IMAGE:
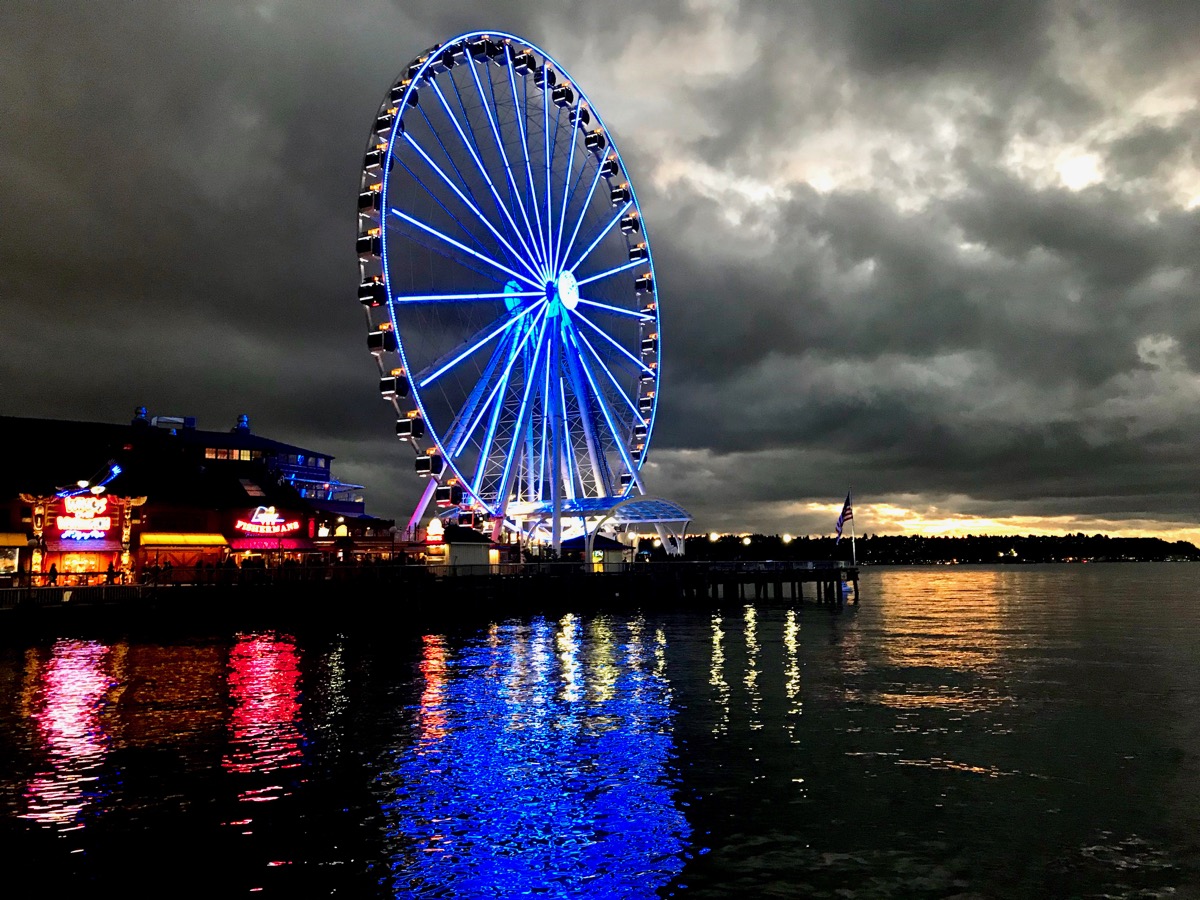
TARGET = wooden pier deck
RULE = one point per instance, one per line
(387, 594)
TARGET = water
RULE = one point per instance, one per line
(964, 732)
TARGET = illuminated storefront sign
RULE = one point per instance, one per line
(435, 532)
(84, 518)
(265, 520)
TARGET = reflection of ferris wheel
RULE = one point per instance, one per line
(509, 287)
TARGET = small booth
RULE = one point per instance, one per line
(458, 550)
(607, 554)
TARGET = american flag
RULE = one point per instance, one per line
(847, 515)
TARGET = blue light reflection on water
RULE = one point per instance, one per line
(540, 762)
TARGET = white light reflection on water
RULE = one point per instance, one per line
(66, 698)
(548, 772)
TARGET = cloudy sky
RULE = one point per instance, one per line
(945, 254)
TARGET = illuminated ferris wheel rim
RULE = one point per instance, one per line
(404, 104)
(541, 280)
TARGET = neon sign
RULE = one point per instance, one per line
(265, 520)
(435, 532)
(84, 519)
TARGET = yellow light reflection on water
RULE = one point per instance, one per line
(952, 621)
(716, 674)
(791, 670)
(750, 620)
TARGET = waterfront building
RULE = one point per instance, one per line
(87, 502)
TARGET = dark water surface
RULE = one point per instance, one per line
(964, 732)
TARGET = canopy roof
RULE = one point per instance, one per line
(623, 510)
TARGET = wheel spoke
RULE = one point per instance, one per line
(607, 371)
(583, 211)
(509, 322)
(589, 427)
(519, 424)
(479, 164)
(498, 393)
(520, 115)
(457, 436)
(604, 411)
(604, 334)
(499, 143)
(463, 298)
(436, 199)
(452, 242)
(562, 216)
(475, 209)
(549, 158)
(629, 265)
(616, 310)
(569, 457)
(603, 231)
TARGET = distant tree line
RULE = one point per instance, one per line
(927, 550)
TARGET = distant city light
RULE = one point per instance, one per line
(746, 541)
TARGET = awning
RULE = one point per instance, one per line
(55, 545)
(170, 539)
(13, 539)
(271, 543)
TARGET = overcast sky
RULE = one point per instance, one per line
(944, 253)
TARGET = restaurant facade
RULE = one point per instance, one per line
(159, 498)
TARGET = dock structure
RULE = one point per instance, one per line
(387, 593)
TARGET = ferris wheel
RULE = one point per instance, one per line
(509, 288)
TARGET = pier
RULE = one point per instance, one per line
(387, 594)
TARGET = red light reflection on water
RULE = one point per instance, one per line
(66, 700)
(264, 688)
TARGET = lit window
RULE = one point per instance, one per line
(245, 454)
(251, 488)
(210, 453)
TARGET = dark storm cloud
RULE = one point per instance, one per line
(944, 251)
(880, 37)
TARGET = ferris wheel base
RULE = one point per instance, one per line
(592, 515)
(587, 517)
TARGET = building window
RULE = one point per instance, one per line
(251, 488)
(245, 455)
(210, 452)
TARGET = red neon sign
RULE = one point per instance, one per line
(265, 520)
(84, 519)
